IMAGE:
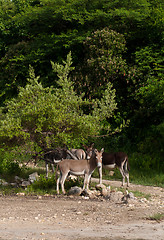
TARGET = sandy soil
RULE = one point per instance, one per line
(79, 218)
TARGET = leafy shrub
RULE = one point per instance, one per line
(8, 166)
(48, 186)
(43, 184)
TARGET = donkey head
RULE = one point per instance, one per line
(98, 156)
(89, 150)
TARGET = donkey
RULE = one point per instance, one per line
(111, 161)
(56, 155)
(78, 153)
(78, 168)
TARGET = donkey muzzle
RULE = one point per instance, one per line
(98, 164)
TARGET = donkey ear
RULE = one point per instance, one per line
(95, 150)
(92, 145)
(102, 150)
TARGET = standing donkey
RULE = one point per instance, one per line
(56, 155)
(78, 168)
(53, 156)
(111, 161)
(78, 153)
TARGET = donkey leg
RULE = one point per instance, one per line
(123, 175)
(127, 176)
(52, 166)
(88, 181)
(100, 175)
(46, 169)
(126, 173)
(63, 178)
(57, 184)
(85, 181)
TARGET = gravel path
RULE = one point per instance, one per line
(79, 218)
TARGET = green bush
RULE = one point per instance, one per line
(9, 166)
(43, 185)
(48, 186)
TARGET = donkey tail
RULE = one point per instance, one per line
(128, 166)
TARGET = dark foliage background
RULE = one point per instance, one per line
(119, 42)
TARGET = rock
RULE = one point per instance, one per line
(33, 177)
(100, 187)
(78, 213)
(131, 195)
(90, 193)
(3, 182)
(111, 173)
(128, 196)
(76, 191)
(14, 185)
(18, 180)
(25, 183)
(20, 194)
(72, 177)
(39, 197)
(86, 192)
(86, 198)
(106, 192)
(116, 196)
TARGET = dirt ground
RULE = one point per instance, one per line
(79, 218)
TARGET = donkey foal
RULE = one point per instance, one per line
(78, 168)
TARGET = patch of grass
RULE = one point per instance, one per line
(157, 217)
(27, 171)
(9, 190)
(42, 186)
(151, 178)
(48, 186)
(141, 194)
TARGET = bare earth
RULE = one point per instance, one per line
(79, 218)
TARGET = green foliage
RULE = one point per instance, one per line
(157, 217)
(149, 154)
(48, 186)
(33, 32)
(150, 60)
(9, 190)
(141, 195)
(103, 62)
(117, 48)
(146, 153)
(151, 94)
(43, 186)
(53, 117)
(9, 166)
(148, 118)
